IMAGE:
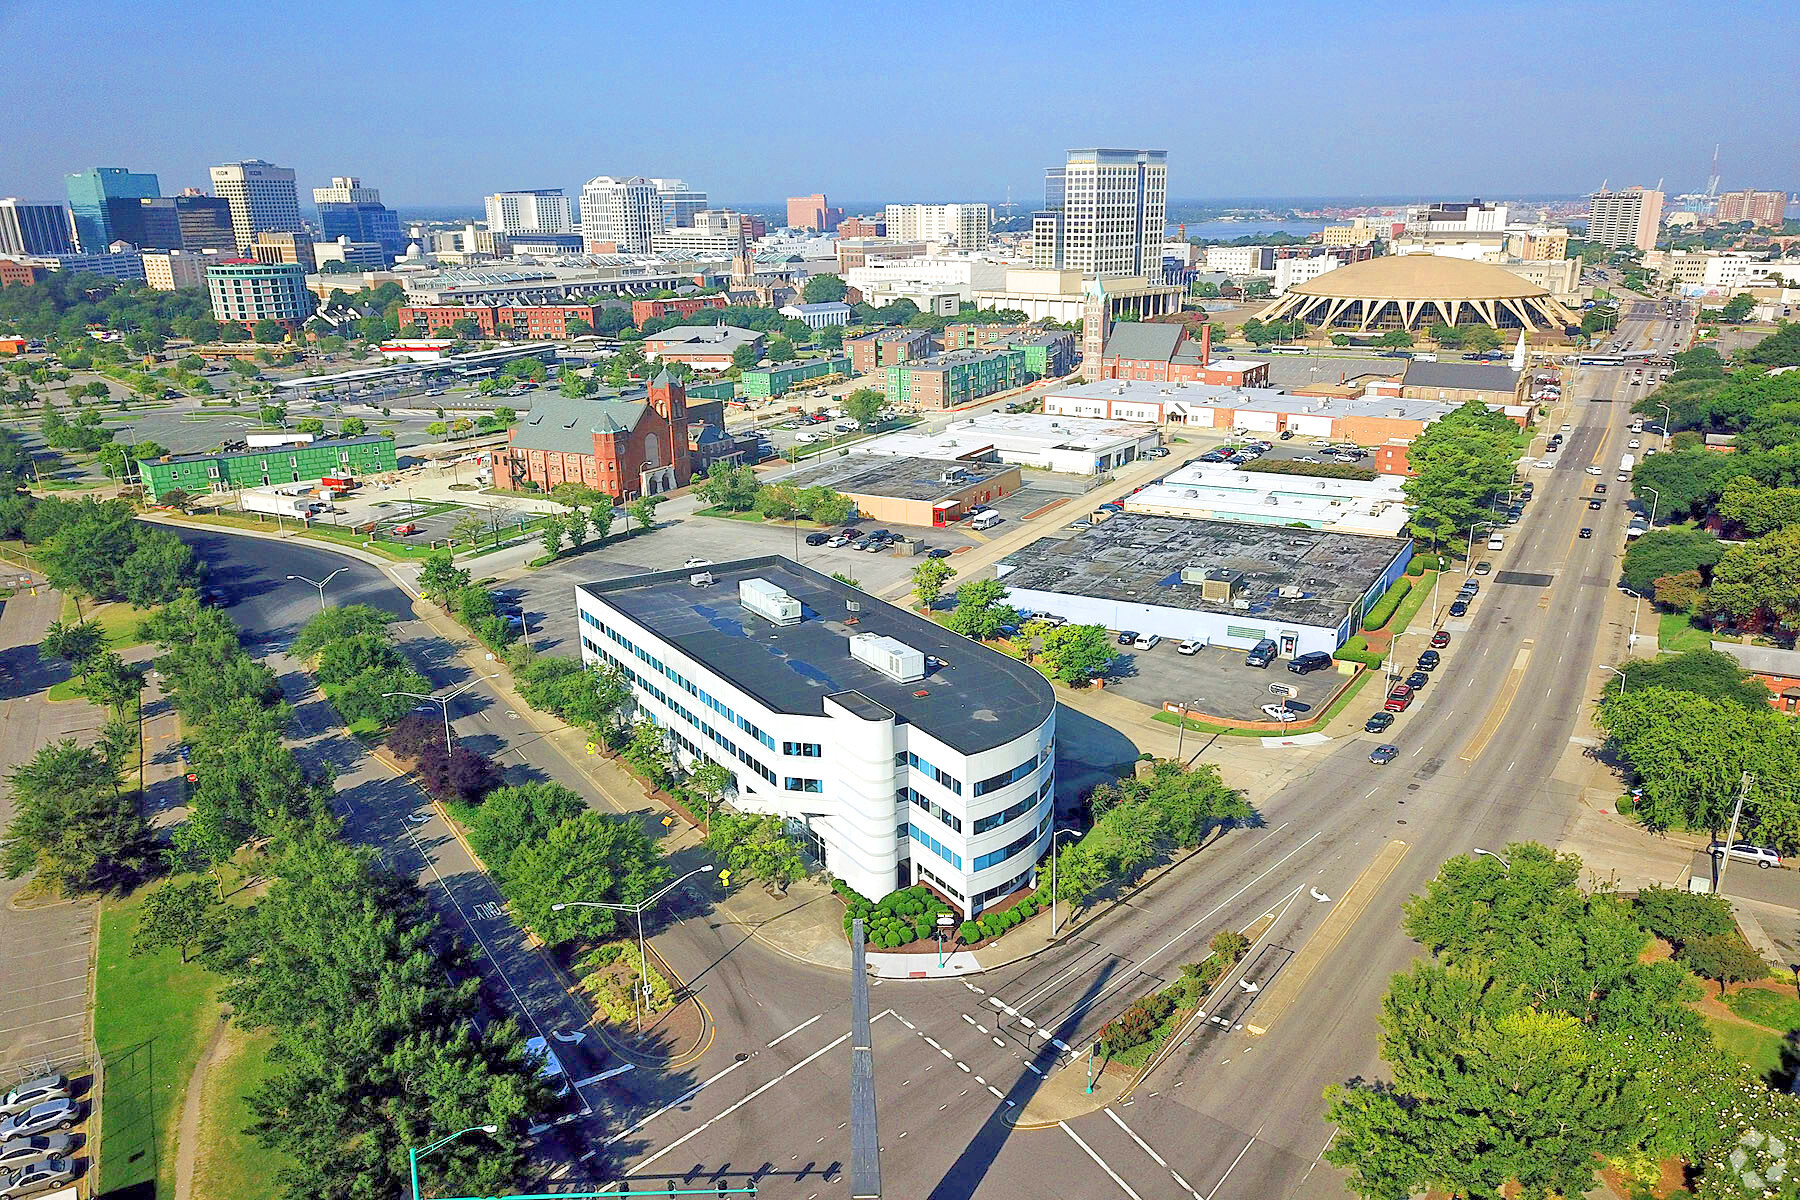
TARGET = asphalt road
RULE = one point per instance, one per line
(1228, 1115)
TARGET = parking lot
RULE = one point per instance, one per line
(1216, 681)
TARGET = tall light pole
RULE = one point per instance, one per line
(1181, 730)
(1469, 562)
(638, 909)
(1490, 854)
(1655, 496)
(414, 1154)
(1620, 674)
(320, 583)
(1053, 837)
(443, 702)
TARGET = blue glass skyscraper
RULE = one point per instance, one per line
(104, 204)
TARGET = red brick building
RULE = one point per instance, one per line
(625, 448)
(13, 271)
(678, 306)
(885, 347)
(523, 321)
(1164, 353)
(852, 227)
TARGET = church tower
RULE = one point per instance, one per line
(1096, 323)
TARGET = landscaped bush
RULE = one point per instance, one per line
(1384, 608)
(1416, 567)
(1357, 650)
(1138, 1023)
(969, 932)
(1679, 916)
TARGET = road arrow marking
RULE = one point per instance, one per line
(1321, 897)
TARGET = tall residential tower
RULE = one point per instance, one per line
(539, 210)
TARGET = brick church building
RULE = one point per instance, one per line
(626, 448)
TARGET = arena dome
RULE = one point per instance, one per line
(1412, 290)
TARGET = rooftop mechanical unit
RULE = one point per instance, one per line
(768, 602)
(892, 657)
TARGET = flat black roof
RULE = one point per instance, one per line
(978, 699)
(1308, 576)
(896, 477)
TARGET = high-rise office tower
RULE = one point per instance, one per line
(1112, 216)
(261, 196)
(540, 210)
(190, 221)
(813, 212)
(348, 209)
(1627, 217)
(620, 216)
(679, 201)
(34, 228)
(103, 202)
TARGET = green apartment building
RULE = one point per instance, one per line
(724, 389)
(266, 466)
(766, 383)
(955, 378)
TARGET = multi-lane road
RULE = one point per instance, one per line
(959, 1062)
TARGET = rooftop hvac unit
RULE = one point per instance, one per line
(1290, 593)
(1243, 604)
(892, 657)
(768, 602)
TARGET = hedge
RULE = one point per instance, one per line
(1357, 650)
(1384, 607)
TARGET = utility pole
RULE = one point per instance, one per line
(1724, 859)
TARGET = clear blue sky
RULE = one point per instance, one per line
(438, 103)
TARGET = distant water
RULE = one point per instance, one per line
(1227, 230)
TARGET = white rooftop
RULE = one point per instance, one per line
(1017, 432)
(1214, 395)
(1222, 492)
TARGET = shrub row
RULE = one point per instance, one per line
(1357, 650)
(1383, 611)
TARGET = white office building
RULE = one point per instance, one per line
(166, 270)
(962, 225)
(620, 216)
(719, 232)
(1219, 491)
(680, 203)
(262, 199)
(961, 275)
(1291, 271)
(541, 210)
(1069, 445)
(902, 752)
(1105, 213)
(1241, 260)
(818, 316)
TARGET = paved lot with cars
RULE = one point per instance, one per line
(1215, 680)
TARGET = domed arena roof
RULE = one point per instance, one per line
(1420, 277)
(1407, 291)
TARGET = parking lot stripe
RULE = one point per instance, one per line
(79, 1016)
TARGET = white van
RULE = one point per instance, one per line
(986, 518)
(1496, 542)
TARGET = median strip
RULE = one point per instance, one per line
(1350, 907)
(1502, 703)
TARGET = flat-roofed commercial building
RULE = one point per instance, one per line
(266, 466)
(1069, 445)
(929, 492)
(905, 754)
(1218, 491)
(955, 378)
(1225, 583)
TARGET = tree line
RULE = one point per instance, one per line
(1736, 560)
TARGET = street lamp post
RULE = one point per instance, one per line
(1490, 854)
(443, 702)
(1620, 674)
(1667, 417)
(1053, 837)
(1181, 730)
(320, 583)
(638, 910)
(414, 1154)
(1469, 562)
(1655, 497)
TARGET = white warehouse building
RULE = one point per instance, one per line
(1221, 583)
(905, 753)
(1070, 445)
(1223, 492)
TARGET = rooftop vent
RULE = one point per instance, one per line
(769, 602)
(1217, 584)
(892, 657)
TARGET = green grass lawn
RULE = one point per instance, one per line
(152, 1016)
(1777, 1010)
(1759, 1049)
(119, 622)
(1413, 601)
(63, 691)
(1675, 633)
(231, 1165)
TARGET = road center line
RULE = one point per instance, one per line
(678, 1101)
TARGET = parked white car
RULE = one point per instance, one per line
(1762, 856)
(1278, 712)
(1191, 646)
